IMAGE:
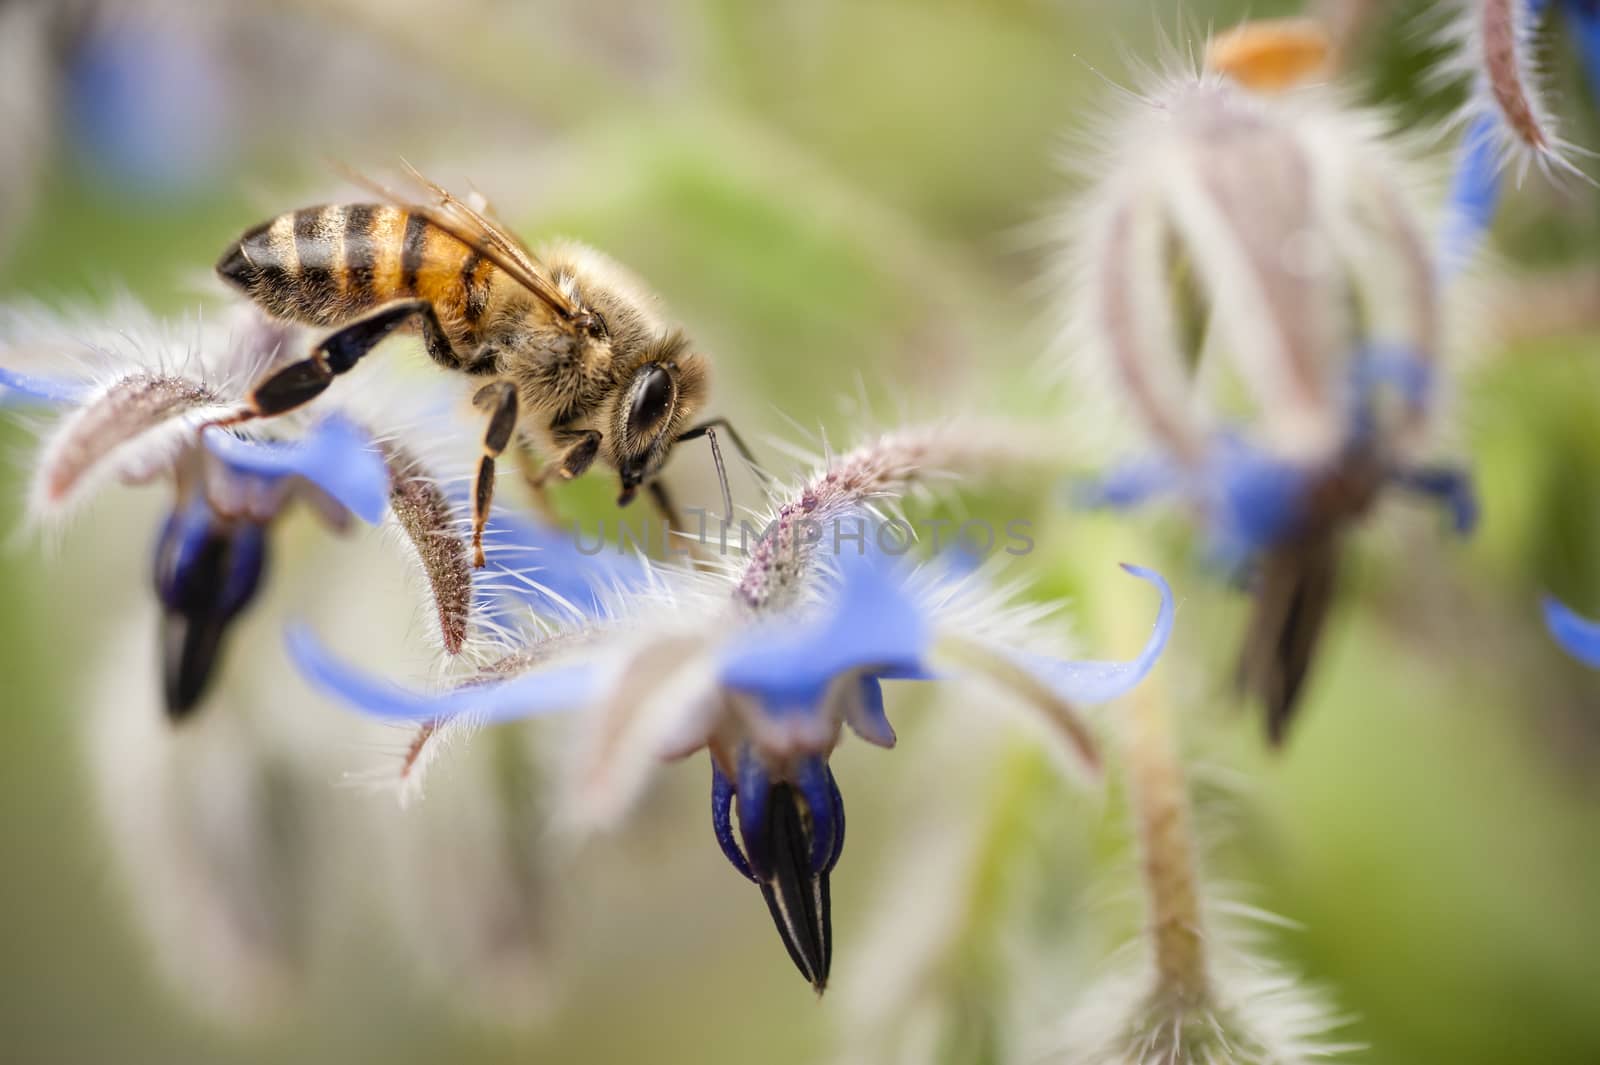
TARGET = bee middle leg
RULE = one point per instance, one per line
(499, 398)
(583, 448)
(694, 539)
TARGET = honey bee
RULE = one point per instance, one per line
(574, 359)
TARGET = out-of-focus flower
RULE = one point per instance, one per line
(243, 862)
(764, 667)
(149, 99)
(1251, 274)
(27, 108)
(212, 550)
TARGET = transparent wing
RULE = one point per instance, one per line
(478, 231)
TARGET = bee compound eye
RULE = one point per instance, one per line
(652, 394)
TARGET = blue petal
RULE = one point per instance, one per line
(1251, 500)
(873, 624)
(547, 570)
(528, 695)
(1393, 365)
(869, 720)
(838, 835)
(816, 784)
(722, 821)
(205, 567)
(336, 456)
(1256, 500)
(753, 791)
(1452, 487)
(1474, 194)
(21, 386)
(1087, 683)
(1129, 484)
(1576, 634)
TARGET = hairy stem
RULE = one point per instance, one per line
(1167, 862)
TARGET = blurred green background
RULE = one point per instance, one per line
(837, 199)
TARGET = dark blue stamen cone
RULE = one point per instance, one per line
(206, 572)
(792, 835)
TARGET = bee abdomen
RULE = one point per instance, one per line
(325, 265)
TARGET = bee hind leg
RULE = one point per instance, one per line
(299, 383)
(499, 398)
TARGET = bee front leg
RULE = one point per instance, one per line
(581, 455)
(499, 398)
(677, 533)
(534, 474)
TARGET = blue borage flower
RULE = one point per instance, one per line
(213, 551)
(768, 696)
(1577, 635)
(1280, 520)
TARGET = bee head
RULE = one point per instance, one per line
(664, 391)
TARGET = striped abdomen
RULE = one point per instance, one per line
(328, 265)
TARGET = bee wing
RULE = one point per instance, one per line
(480, 232)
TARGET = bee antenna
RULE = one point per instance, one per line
(722, 475)
(708, 430)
